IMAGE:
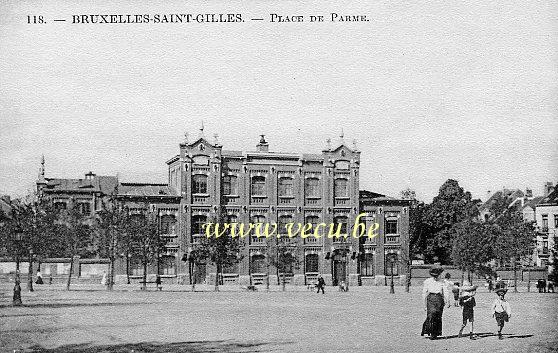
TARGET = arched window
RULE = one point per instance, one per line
(286, 263)
(285, 187)
(258, 186)
(199, 184)
(312, 263)
(312, 187)
(341, 188)
(257, 264)
(197, 224)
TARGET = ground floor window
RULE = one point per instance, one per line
(312, 263)
(367, 265)
(392, 265)
(257, 264)
(168, 265)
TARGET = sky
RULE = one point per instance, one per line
(430, 91)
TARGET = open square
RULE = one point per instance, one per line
(365, 319)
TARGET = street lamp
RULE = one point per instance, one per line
(391, 287)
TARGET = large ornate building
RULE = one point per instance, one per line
(208, 183)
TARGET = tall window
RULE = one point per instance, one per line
(341, 188)
(255, 220)
(258, 186)
(313, 220)
(391, 226)
(312, 263)
(367, 265)
(343, 221)
(312, 187)
(285, 187)
(168, 265)
(199, 184)
(84, 208)
(230, 185)
(392, 264)
(545, 221)
(168, 223)
(282, 224)
(257, 264)
(197, 224)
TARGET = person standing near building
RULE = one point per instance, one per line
(321, 284)
(467, 301)
(501, 310)
(39, 278)
(449, 287)
(433, 295)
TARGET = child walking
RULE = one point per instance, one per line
(467, 301)
(455, 290)
(501, 310)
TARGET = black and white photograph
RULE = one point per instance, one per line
(278, 176)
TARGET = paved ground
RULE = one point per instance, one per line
(365, 319)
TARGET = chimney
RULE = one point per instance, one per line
(528, 193)
(263, 146)
(89, 176)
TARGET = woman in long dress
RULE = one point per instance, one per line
(434, 295)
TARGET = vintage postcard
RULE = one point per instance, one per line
(278, 176)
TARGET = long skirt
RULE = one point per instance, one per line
(434, 309)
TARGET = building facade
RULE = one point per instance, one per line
(207, 183)
(546, 214)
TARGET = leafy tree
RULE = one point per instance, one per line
(146, 244)
(515, 239)
(220, 249)
(473, 245)
(76, 235)
(452, 205)
(281, 256)
(112, 228)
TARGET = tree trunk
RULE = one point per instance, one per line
(408, 281)
(194, 277)
(70, 275)
(514, 277)
(111, 274)
(17, 269)
(217, 270)
(127, 268)
(283, 284)
(30, 275)
(144, 284)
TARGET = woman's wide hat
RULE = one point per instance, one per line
(436, 271)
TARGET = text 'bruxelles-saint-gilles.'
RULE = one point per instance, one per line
(157, 18)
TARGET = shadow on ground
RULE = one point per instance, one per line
(152, 347)
(485, 335)
(68, 305)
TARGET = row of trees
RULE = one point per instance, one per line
(450, 231)
(36, 230)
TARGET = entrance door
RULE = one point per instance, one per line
(339, 269)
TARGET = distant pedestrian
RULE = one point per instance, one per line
(17, 293)
(433, 295)
(158, 282)
(39, 278)
(455, 291)
(104, 279)
(550, 286)
(321, 284)
(540, 285)
(501, 310)
(490, 284)
(467, 301)
(50, 279)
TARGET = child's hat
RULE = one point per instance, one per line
(467, 287)
(501, 290)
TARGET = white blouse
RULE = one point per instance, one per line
(435, 287)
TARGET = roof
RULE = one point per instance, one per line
(533, 202)
(146, 190)
(374, 198)
(510, 195)
(550, 200)
(98, 183)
